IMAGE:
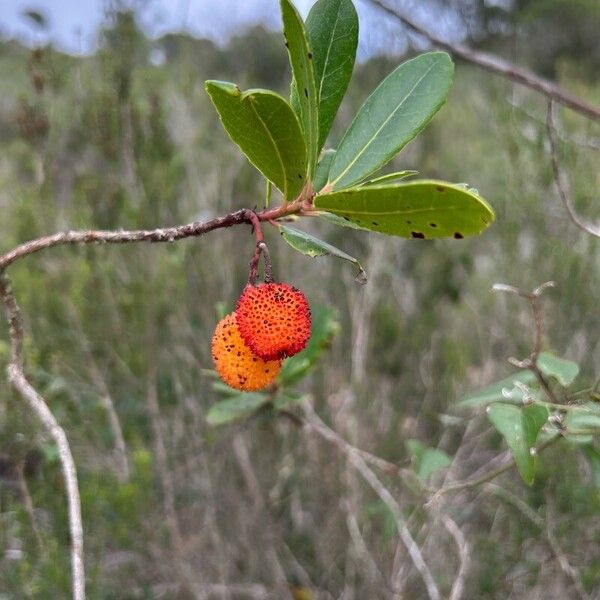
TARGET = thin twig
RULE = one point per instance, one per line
(36, 403)
(497, 65)
(164, 472)
(358, 462)
(28, 503)
(106, 402)
(385, 466)
(471, 483)
(531, 362)
(560, 177)
(563, 561)
(458, 587)
(539, 522)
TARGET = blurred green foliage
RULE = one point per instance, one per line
(122, 140)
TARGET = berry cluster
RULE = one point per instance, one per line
(270, 323)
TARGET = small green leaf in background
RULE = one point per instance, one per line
(50, 452)
(564, 371)
(398, 109)
(507, 420)
(224, 390)
(519, 428)
(581, 427)
(332, 28)
(301, 61)
(504, 390)
(379, 509)
(311, 246)
(417, 209)
(391, 177)
(534, 417)
(237, 407)
(267, 131)
(324, 328)
(322, 171)
(426, 461)
(287, 400)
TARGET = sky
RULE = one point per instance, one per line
(72, 24)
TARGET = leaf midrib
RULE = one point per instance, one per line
(382, 126)
(337, 18)
(279, 157)
(341, 209)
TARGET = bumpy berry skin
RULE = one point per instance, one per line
(236, 364)
(274, 319)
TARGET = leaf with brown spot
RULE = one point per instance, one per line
(415, 209)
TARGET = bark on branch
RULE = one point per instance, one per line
(158, 235)
(497, 65)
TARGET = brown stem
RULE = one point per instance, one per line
(159, 235)
(261, 249)
(560, 177)
(268, 265)
(531, 362)
(499, 66)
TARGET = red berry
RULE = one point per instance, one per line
(274, 319)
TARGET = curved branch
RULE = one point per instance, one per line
(159, 235)
(497, 65)
(36, 403)
(560, 177)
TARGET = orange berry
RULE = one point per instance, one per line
(274, 319)
(236, 364)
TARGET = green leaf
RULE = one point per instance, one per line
(417, 209)
(586, 423)
(391, 177)
(224, 390)
(520, 428)
(238, 407)
(323, 167)
(398, 109)
(267, 131)
(312, 246)
(427, 461)
(504, 390)
(301, 61)
(507, 420)
(564, 371)
(534, 417)
(339, 221)
(332, 27)
(324, 328)
(287, 400)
